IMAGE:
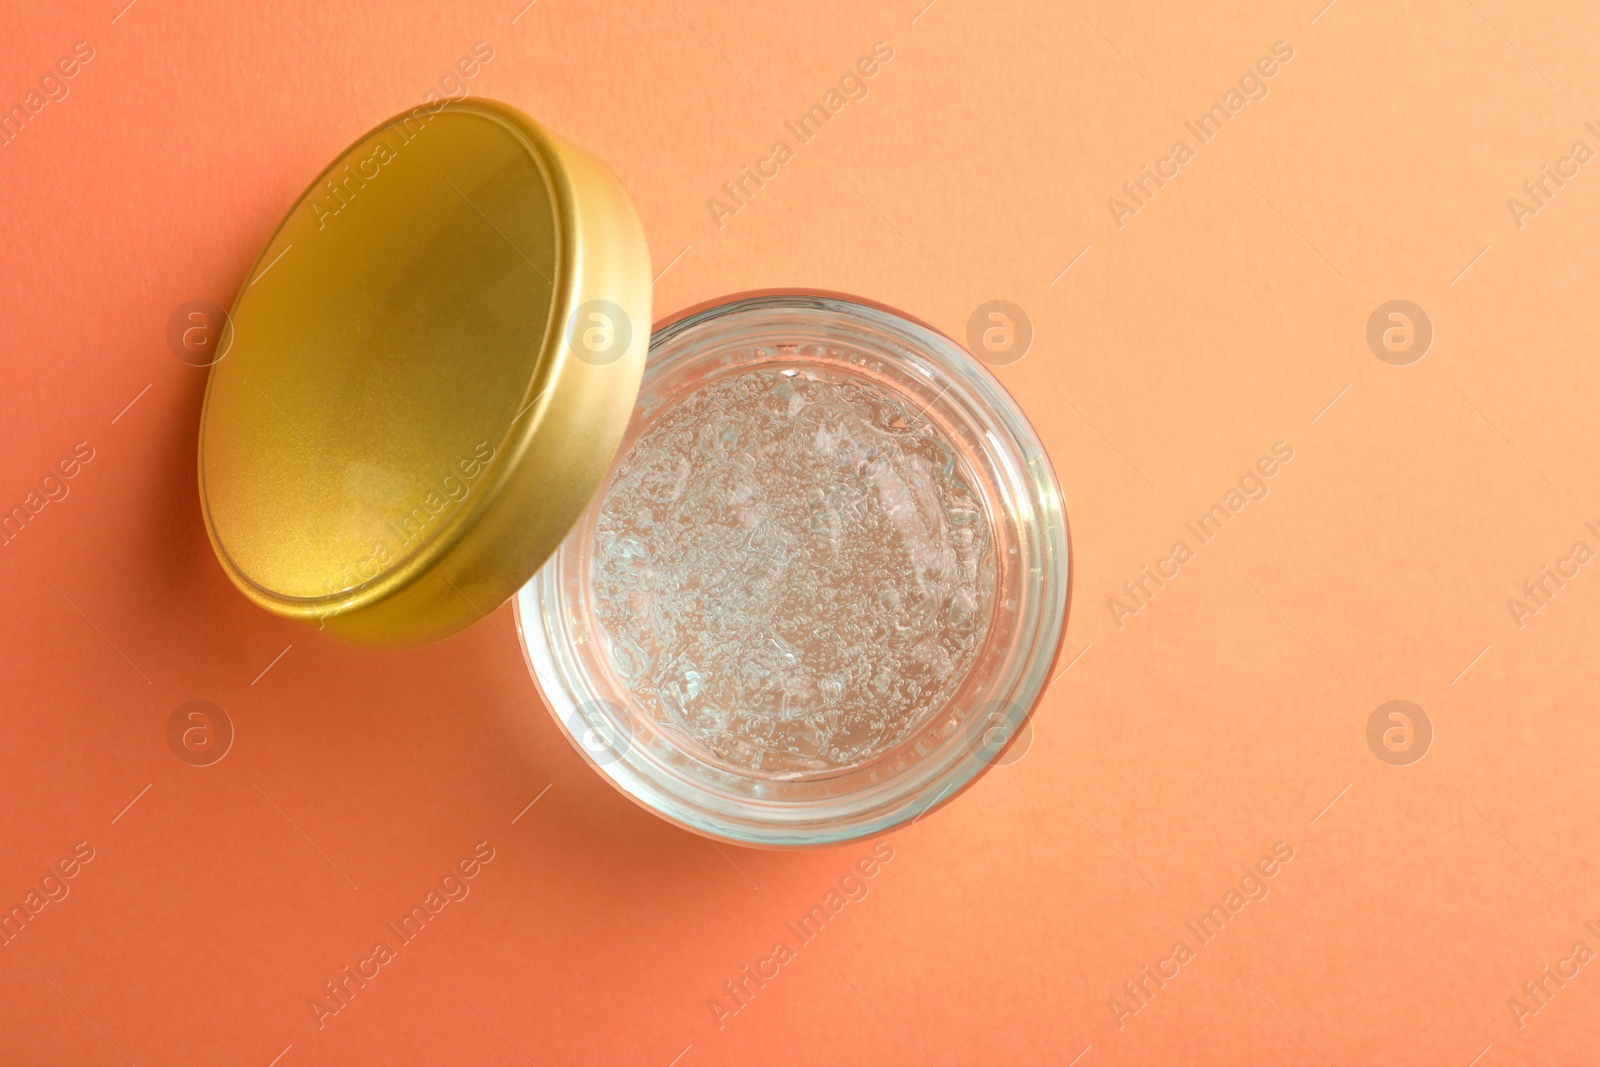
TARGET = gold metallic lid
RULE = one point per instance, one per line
(431, 367)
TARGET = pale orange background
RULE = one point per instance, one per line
(1223, 717)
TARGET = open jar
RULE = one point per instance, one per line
(789, 570)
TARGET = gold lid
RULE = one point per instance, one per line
(431, 367)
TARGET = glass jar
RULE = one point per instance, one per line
(692, 715)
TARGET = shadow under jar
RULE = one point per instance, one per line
(822, 586)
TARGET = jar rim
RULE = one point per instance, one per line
(954, 744)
